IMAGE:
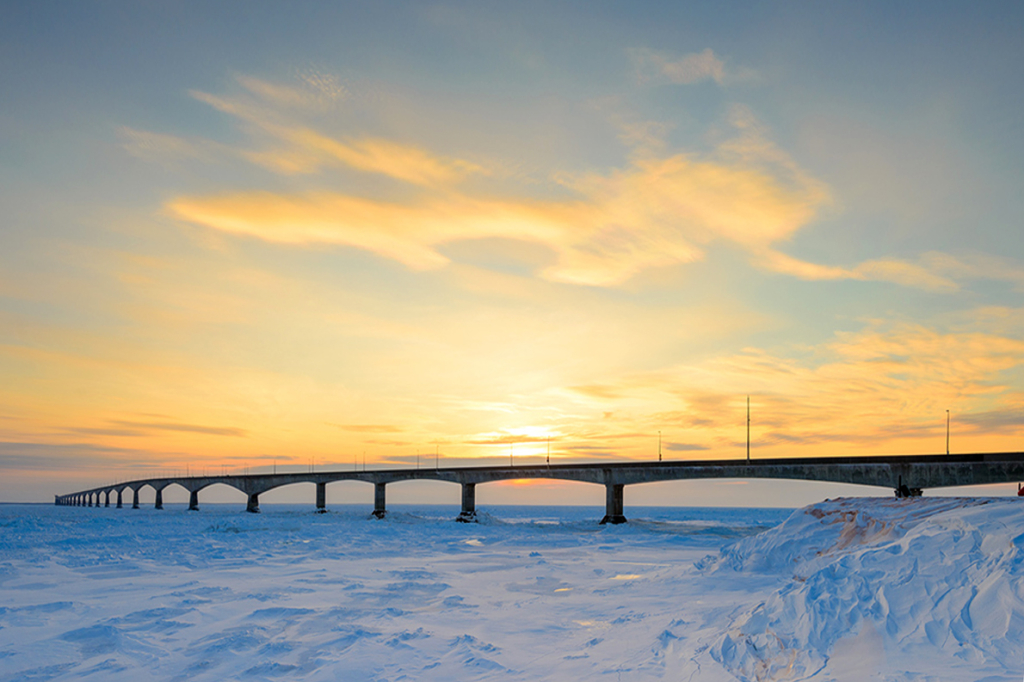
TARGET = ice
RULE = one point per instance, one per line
(921, 589)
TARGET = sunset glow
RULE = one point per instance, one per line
(420, 233)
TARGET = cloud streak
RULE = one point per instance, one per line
(184, 428)
(688, 69)
(656, 211)
(886, 383)
(659, 209)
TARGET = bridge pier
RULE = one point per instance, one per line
(379, 510)
(613, 504)
(193, 500)
(106, 498)
(120, 503)
(159, 499)
(135, 498)
(321, 498)
(468, 513)
(253, 505)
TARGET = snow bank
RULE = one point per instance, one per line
(927, 589)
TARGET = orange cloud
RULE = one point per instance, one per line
(657, 211)
(883, 384)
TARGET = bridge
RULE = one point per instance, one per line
(907, 475)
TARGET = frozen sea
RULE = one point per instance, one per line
(853, 589)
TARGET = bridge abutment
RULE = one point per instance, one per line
(468, 513)
(613, 504)
(379, 498)
(321, 498)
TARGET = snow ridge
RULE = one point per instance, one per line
(883, 589)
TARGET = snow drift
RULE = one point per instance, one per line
(883, 589)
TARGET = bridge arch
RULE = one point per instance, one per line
(418, 490)
(745, 492)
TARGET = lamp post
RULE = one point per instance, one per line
(947, 432)
(659, 446)
(748, 429)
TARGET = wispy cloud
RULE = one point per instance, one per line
(183, 428)
(885, 383)
(288, 146)
(932, 271)
(658, 210)
(317, 90)
(687, 69)
(163, 148)
(685, 447)
(369, 428)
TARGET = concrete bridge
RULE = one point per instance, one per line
(906, 474)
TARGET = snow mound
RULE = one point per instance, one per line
(884, 589)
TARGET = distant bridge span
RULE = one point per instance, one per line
(906, 474)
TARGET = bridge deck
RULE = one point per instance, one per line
(899, 472)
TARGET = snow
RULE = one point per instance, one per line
(929, 589)
(856, 589)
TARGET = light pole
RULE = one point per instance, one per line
(659, 446)
(748, 429)
(947, 432)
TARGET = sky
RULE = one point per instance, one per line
(238, 236)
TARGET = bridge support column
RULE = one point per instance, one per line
(468, 513)
(253, 505)
(379, 510)
(135, 498)
(613, 504)
(90, 499)
(159, 499)
(321, 498)
(106, 499)
(193, 500)
(120, 502)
